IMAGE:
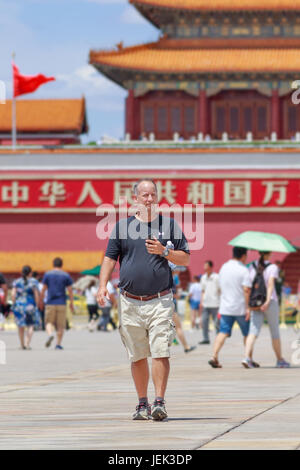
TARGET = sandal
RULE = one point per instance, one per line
(215, 364)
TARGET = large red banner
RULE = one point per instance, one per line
(84, 193)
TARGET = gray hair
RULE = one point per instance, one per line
(136, 185)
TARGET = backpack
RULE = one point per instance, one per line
(258, 294)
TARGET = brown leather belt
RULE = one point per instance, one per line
(146, 297)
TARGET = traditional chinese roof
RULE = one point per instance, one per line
(160, 59)
(223, 5)
(68, 115)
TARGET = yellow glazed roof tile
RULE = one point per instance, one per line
(149, 57)
(209, 5)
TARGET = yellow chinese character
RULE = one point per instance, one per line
(273, 187)
(15, 193)
(202, 193)
(88, 191)
(166, 191)
(237, 193)
(123, 190)
(53, 192)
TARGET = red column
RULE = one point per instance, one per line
(275, 112)
(129, 126)
(202, 112)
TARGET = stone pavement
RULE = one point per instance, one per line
(83, 397)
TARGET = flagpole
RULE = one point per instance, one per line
(14, 114)
(14, 124)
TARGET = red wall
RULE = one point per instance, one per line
(220, 228)
(67, 232)
(49, 232)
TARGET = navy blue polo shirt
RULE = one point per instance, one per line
(57, 281)
(142, 273)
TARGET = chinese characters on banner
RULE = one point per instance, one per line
(87, 193)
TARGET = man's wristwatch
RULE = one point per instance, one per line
(165, 252)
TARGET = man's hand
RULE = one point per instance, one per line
(72, 307)
(102, 295)
(154, 247)
(41, 305)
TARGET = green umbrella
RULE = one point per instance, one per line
(262, 241)
(92, 272)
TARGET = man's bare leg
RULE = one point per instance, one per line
(50, 330)
(179, 331)
(160, 375)
(218, 344)
(140, 374)
(59, 334)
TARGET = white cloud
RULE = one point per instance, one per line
(9, 87)
(101, 93)
(88, 79)
(74, 77)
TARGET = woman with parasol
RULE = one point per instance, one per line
(269, 310)
(263, 297)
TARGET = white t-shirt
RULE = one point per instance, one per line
(211, 287)
(195, 291)
(270, 271)
(46, 292)
(90, 295)
(233, 277)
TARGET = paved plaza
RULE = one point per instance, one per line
(83, 397)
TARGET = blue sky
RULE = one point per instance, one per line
(54, 37)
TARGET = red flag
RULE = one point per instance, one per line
(27, 84)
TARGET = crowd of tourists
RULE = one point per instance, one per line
(214, 298)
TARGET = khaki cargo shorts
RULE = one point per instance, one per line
(56, 315)
(146, 327)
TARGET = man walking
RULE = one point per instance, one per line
(146, 303)
(210, 299)
(56, 282)
(235, 286)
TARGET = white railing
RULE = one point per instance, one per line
(199, 141)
